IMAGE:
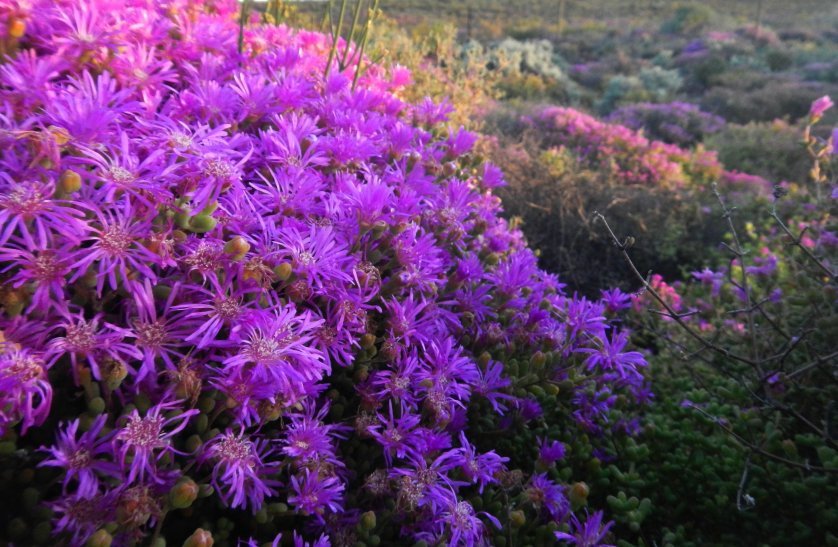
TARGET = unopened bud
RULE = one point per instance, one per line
(199, 538)
(96, 406)
(237, 247)
(69, 182)
(368, 520)
(367, 341)
(113, 373)
(449, 169)
(100, 539)
(283, 271)
(17, 28)
(579, 493)
(517, 518)
(538, 359)
(184, 493)
(202, 223)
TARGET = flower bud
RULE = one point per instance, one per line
(202, 223)
(17, 28)
(70, 182)
(449, 169)
(538, 359)
(96, 406)
(199, 538)
(100, 539)
(517, 518)
(368, 520)
(578, 494)
(113, 373)
(237, 247)
(283, 271)
(183, 493)
(367, 341)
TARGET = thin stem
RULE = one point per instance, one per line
(342, 65)
(796, 241)
(675, 315)
(335, 35)
(370, 16)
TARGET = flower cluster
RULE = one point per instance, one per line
(678, 123)
(626, 153)
(245, 271)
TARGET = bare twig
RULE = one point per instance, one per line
(674, 314)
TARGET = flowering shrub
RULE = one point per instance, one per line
(747, 355)
(560, 174)
(678, 123)
(241, 299)
(627, 154)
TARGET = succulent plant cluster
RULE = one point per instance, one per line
(246, 300)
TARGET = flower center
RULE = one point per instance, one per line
(143, 432)
(115, 240)
(81, 338)
(151, 335)
(121, 175)
(226, 308)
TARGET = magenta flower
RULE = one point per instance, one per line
(86, 341)
(116, 249)
(587, 534)
(274, 347)
(241, 471)
(79, 457)
(148, 439)
(29, 211)
(820, 106)
(25, 392)
(315, 494)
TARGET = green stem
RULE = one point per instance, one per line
(335, 36)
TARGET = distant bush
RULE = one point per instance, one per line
(678, 123)
(562, 165)
(690, 19)
(772, 98)
(742, 431)
(772, 150)
(651, 84)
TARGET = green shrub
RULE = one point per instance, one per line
(772, 150)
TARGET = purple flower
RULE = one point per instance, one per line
(463, 523)
(550, 452)
(25, 392)
(83, 516)
(820, 106)
(116, 248)
(86, 340)
(548, 496)
(587, 534)
(395, 435)
(147, 439)
(616, 300)
(478, 468)
(78, 457)
(315, 494)
(274, 347)
(612, 357)
(241, 472)
(29, 212)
